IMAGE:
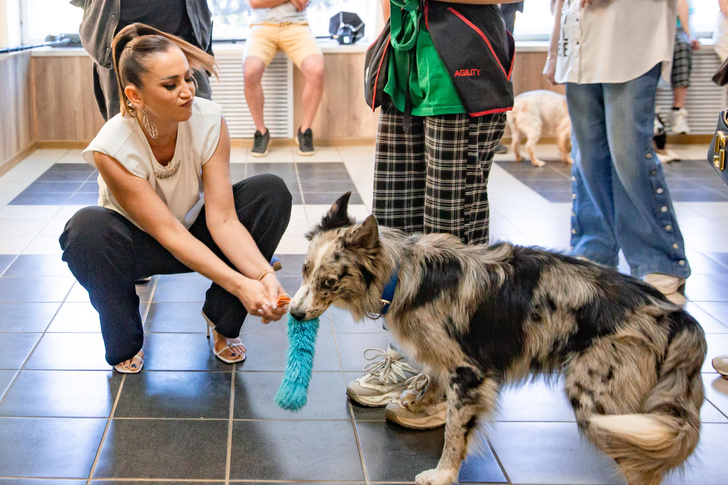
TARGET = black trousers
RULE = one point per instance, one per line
(107, 254)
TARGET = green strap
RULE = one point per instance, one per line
(410, 13)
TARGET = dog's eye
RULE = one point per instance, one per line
(306, 268)
(328, 283)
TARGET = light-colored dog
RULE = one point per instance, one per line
(536, 114)
(482, 317)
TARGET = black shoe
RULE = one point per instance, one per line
(501, 149)
(305, 143)
(260, 144)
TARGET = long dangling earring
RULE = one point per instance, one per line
(149, 126)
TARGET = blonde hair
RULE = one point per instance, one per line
(135, 42)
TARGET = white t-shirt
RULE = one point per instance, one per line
(615, 41)
(720, 37)
(122, 139)
(285, 12)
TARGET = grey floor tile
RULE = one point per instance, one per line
(700, 288)
(267, 352)
(343, 322)
(65, 448)
(5, 261)
(15, 348)
(188, 287)
(26, 317)
(171, 449)
(69, 351)
(329, 197)
(255, 397)
(717, 310)
(193, 352)
(535, 401)
(396, 454)
(59, 394)
(352, 347)
(158, 394)
(30, 481)
(38, 289)
(705, 319)
(295, 450)
(177, 317)
(716, 391)
(38, 265)
(76, 317)
(6, 377)
(550, 453)
(41, 199)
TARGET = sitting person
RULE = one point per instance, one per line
(156, 159)
(282, 24)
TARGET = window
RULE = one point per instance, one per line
(43, 17)
(536, 21)
(232, 17)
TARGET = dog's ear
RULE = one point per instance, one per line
(336, 217)
(366, 236)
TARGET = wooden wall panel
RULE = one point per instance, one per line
(16, 129)
(342, 114)
(64, 107)
(527, 75)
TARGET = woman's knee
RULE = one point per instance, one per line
(270, 191)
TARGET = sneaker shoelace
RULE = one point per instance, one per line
(387, 370)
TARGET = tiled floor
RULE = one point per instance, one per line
(66, 418)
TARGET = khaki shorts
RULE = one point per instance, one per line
(295, 39)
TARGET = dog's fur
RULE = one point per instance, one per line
(540, 113)
(480, 317)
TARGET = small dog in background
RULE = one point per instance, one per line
(536, 114)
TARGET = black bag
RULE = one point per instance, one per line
(376, 67)
(716, 152)
(473, 44)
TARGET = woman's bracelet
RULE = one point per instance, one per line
(264, 272)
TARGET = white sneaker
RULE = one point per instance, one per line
(382, 380)
(667, 284)
(416, 407)
(679, 124)
(720, 364)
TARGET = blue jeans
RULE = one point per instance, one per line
(621, 199)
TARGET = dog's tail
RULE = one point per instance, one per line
(646, 446)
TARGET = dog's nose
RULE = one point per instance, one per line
(298, 315)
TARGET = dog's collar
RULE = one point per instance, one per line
(389, 289)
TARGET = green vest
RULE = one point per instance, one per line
(431, 89)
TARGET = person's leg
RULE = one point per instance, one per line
(399, 191)
(645, 221)
(399, 172)
(592, 216)
(107, 254)
(260, 49)
(682, 65)
(253, 69)
(458, 152)
(312, 68)
(263, 205)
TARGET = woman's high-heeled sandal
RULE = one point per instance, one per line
(237, 349)
(137, 362)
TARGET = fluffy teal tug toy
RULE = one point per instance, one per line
(293, 393)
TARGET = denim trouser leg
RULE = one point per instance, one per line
(592, 219)
(643, 222)
(107, 253)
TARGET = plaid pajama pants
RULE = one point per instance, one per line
(435, 178)
(682, 60)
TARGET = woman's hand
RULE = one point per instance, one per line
(549, 69)
(274, 289)
(258, 299)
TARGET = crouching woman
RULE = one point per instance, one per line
(167, 205)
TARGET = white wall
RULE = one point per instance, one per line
(9, 23)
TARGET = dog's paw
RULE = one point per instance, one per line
(436, 477)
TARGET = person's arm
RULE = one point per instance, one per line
(385, 9)
(222, 220)
(549, 69)
(138, 199)
(723, 7)
(683, 13)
